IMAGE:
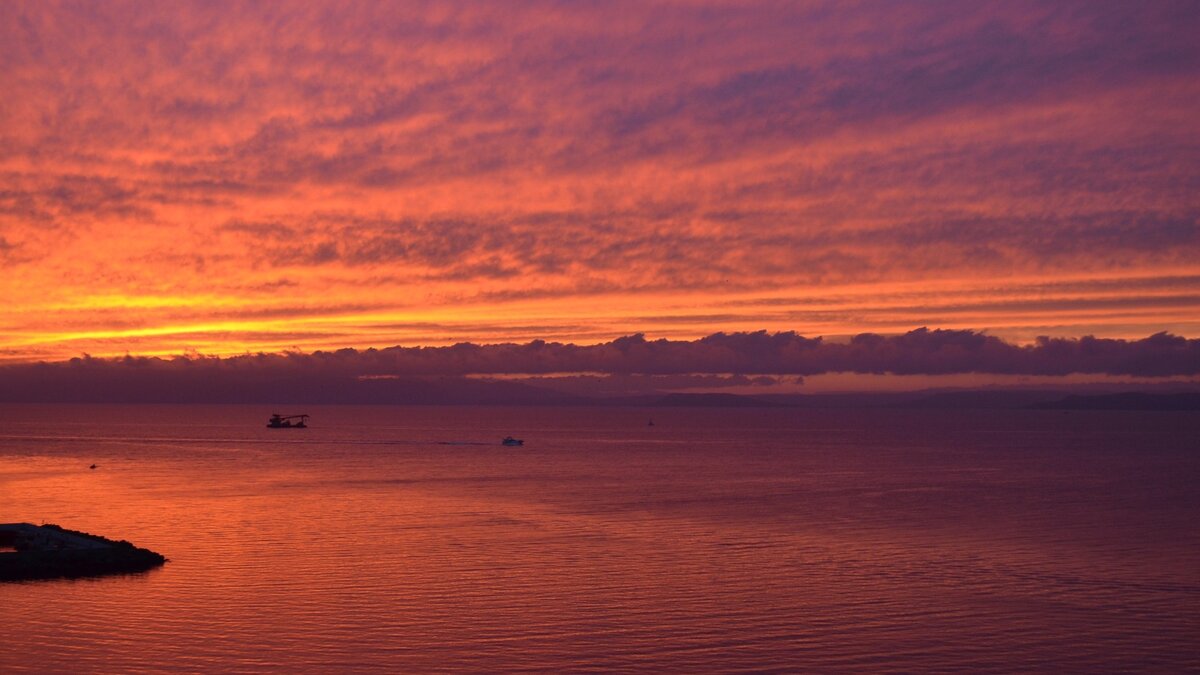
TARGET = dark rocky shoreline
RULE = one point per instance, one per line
(53, 552)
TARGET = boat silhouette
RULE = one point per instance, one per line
(285, 422)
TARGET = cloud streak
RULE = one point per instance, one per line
(518, 161)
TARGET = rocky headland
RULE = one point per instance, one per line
(49, 552)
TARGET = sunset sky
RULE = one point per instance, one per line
(220, 178)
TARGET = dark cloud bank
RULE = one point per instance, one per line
(443, 374)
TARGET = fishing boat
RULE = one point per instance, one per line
(287, 422)
(509, 440)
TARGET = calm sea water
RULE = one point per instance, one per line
(407, 538)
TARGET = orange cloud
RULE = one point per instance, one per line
(223, 177)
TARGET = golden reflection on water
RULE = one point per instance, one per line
(407, 538)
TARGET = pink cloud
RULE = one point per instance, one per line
(557, 150)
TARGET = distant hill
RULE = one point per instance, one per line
(964, 399)
(139, 380)
(108, 387)
(713, 401)
(1125, 401)
(984, 399)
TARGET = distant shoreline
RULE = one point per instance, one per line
(930, 399)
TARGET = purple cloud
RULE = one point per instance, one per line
(657, 151)
(738, 358)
